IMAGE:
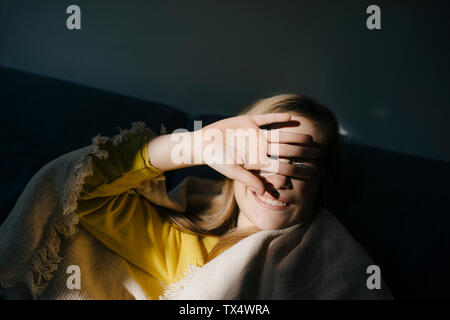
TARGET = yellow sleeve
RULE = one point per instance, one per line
(128, 223)
(126, 165)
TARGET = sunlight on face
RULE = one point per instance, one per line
(293, 200)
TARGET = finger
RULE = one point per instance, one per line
(263, 151)
(279, 136)
(293, 151)
(268, 118)
(249, 179)
(290, 170)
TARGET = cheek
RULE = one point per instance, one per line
(245, 202)
(240, 193)
(306, 189)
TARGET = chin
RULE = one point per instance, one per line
(269, 226)
(265, 219)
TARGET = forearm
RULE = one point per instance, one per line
(175, 151)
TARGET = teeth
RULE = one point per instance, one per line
(272, 201)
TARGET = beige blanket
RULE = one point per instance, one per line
(40, 240)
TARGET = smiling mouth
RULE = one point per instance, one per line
(270, 203)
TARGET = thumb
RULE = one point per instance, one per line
(249, 179)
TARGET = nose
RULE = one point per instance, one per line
(278, 181)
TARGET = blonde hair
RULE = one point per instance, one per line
(212, 209)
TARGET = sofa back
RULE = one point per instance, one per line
(395, 205)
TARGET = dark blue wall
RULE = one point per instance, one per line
(389, 87)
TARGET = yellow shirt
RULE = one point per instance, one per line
(157, 252)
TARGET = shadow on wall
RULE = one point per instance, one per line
(395, 205)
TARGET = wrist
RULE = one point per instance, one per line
(176, 150)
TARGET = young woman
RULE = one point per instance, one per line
(279, 161)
